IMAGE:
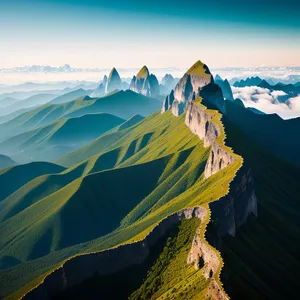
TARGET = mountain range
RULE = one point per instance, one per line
(132, 198)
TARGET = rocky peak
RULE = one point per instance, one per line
(145, 83)
(189, 86)
(143, 73)
(100, 90)
(218, 77)
(113, 82)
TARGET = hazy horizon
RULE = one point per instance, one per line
(129, 34)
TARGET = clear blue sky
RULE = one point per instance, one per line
(159, 33)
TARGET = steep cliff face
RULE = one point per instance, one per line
(200, 122)
(80, 268)
(145, 83)
(100, 90)
(113, 82)
(188, 87)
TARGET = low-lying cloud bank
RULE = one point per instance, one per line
(268, 101)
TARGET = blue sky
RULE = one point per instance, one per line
(158, 33)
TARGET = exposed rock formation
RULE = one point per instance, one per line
(167, 104)
(100, 90)
(82, 267)
(200, 123)
(113, 82)
(201, 249)
(145, 83)
(189, 86)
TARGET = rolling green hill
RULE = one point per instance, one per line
(58, 138)
(123, 104)
(15, 177)
(157, 169)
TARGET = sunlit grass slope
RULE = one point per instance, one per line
(156, 169)
(163, 275)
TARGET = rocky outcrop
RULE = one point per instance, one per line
(100, 90)
(113, 82)
(212, 263)
(167, 104)
(79, 268)
(145, 83)
(189, 86)
(200, 122)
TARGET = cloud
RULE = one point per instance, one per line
(268, 101)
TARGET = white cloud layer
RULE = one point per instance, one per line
(267, 101)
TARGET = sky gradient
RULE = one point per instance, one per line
(159, 33)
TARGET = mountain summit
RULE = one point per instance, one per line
(145, 83)
(113, 82)
(188, 87)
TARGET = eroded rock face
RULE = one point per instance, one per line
(218, 159)
(100, 90)
(167, 104)
(113, 82)
(189, 86)
(85, 266)
(145, 83)
(200, 249)
(199, 121)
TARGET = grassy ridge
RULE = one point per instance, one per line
(177, 184)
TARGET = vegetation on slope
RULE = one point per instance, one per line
(163, 275)
(173, 161)
(60, 137)
(123, 104)
(15, 177)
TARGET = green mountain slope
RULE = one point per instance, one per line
(70, 96)
(15, 177)
(58, 138)
(107, 208)
(121, 104)
(154, 277)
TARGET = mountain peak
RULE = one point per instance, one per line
(113, 73)
(143, 73)
(198, 69)
(113, 82)
(218, 77)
